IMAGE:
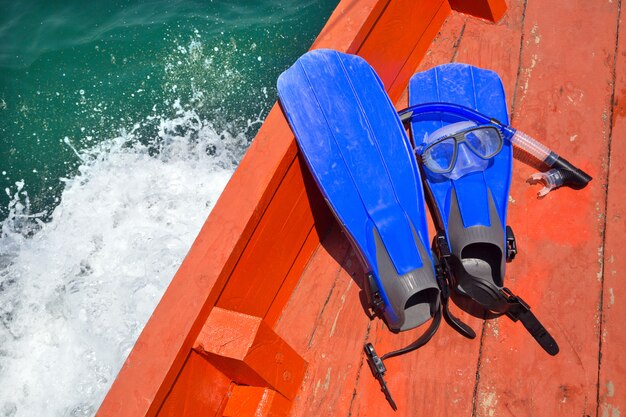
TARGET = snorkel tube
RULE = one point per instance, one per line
(560, 173)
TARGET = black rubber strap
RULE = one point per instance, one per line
(519, 310)
(455, 322)
(421, 341)
(541, 335)
(503, 301)
(444, 280)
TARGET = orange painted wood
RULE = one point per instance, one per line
(200, 390)
(275, 244)
(146, 377)
(436, 380)
(293, 277)
(325, 321)
(323, 219)
(495, 47)
(612, 377)
(300, 318)
(563, 98)
(398, 86)
(357, 17)
(247, 401)
(492, 10)
(249, 352)
(445, 45)
(397, 33)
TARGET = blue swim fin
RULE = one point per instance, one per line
(357, 150)
(471, 207)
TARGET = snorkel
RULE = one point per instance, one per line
(560, 171)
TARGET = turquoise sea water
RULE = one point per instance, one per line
(80, 72)
(120, 124)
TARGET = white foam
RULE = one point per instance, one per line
(75, 292)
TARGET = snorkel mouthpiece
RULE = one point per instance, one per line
(550, 179)
(561, 173)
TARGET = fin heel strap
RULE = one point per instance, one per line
(420, 341)
(503, 301)
(456, 323)
(441, 254)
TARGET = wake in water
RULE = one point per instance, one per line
(76, 291)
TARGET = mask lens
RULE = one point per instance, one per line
(440, 156)
(485, 142)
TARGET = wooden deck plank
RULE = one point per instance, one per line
(201, 390)
(326, 323)
(562, 98)
(445, 45)
(436, 380)
(612, 375)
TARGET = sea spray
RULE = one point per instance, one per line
(154, 97)
(76, 291)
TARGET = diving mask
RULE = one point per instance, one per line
(460, 148)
